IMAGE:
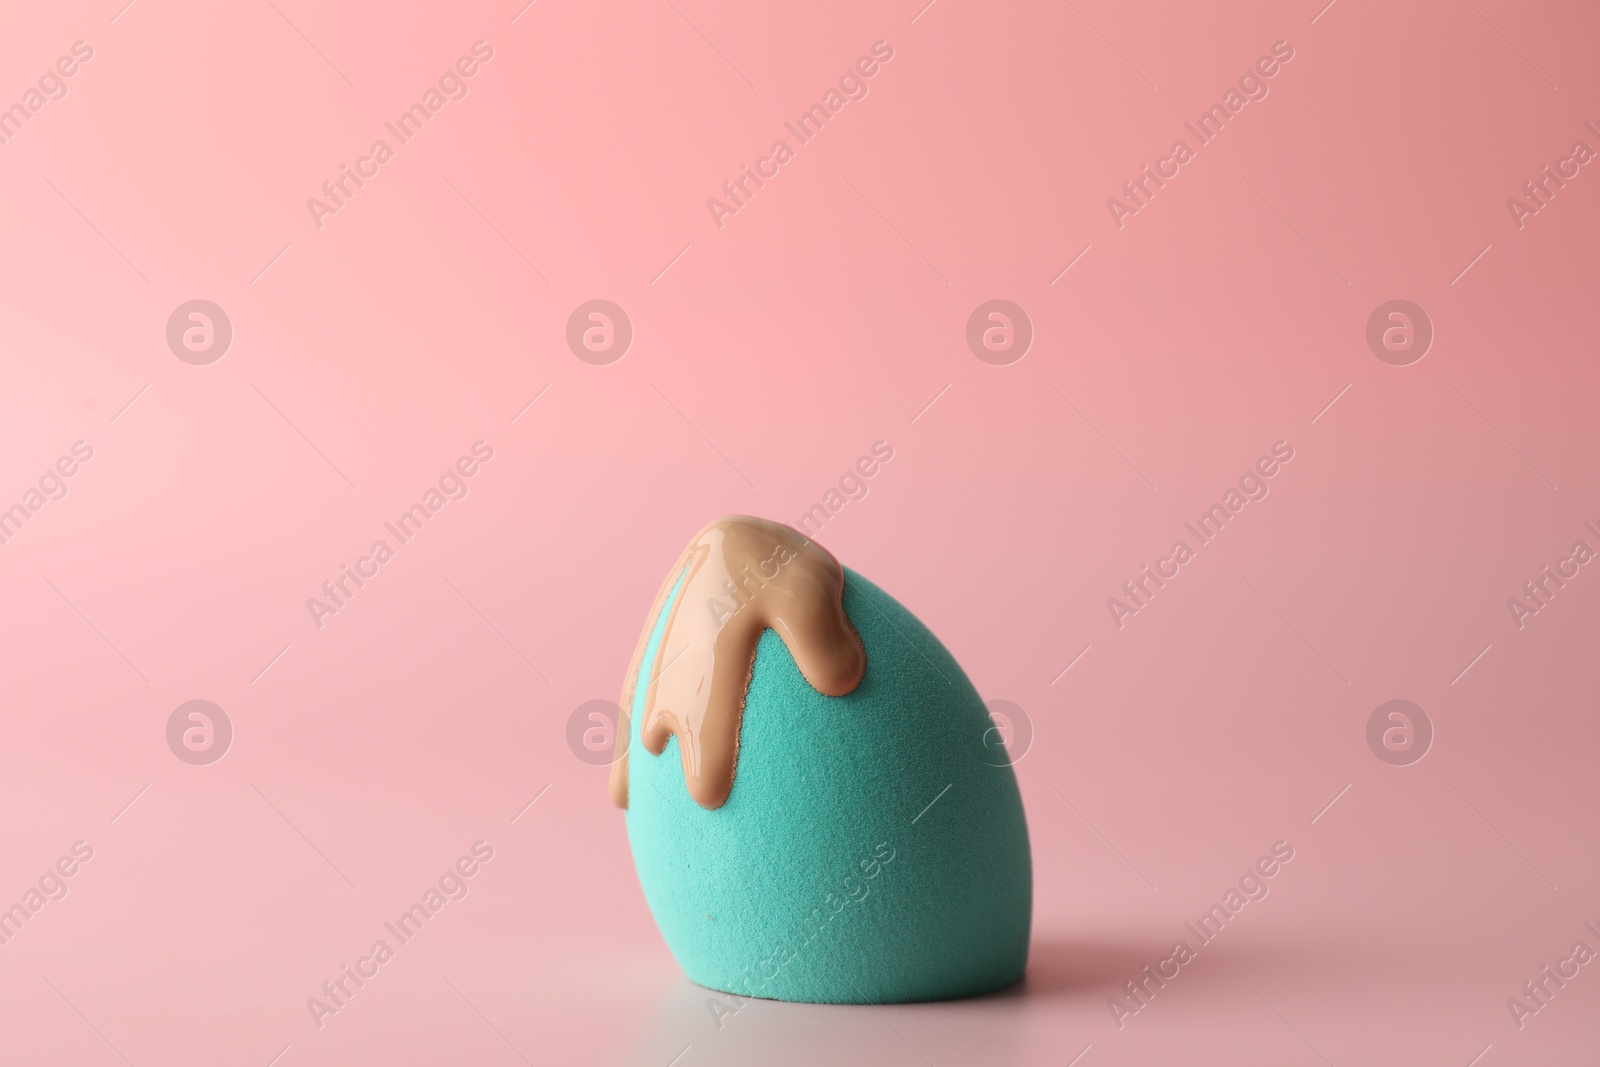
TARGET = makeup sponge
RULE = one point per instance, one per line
(869, 850)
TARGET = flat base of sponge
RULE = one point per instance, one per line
(1001, 987)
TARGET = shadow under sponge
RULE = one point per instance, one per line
(832, 874)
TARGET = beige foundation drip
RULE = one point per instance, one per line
(741, 577)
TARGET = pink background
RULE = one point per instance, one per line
(768, 355)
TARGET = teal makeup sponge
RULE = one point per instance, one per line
(870, 851)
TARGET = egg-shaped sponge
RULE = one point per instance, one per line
(872, 849)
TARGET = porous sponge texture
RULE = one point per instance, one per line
(827, 877)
